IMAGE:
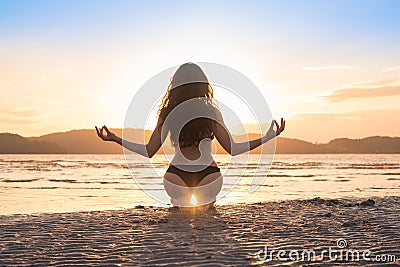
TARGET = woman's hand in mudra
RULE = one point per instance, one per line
(279, 129)
(108, 136)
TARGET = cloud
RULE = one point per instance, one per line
(18, 117)
(330, 67)
(370, 89)
(367, 114)
(394, 68)
(8, 121)
(19, 113)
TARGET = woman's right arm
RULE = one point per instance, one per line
(147, 150)
(224, 137)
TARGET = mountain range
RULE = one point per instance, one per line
(85, 141)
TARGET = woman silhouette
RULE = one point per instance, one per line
(193, 166)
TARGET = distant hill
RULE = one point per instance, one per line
(373, 144)
(16, 144)
(82, 142)
(86, 142)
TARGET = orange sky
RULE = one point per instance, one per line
(329, 80)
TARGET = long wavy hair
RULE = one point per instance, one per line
(189, 82)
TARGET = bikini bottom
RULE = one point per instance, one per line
(192, 179)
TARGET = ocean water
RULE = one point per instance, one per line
(64, 183)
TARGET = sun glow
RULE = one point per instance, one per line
(193, 200)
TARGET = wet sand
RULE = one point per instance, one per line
(229, 235)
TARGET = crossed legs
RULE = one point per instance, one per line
(206, 191)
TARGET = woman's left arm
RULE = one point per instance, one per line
(147, 150)
(224, 137)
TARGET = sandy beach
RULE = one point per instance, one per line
(234, 235)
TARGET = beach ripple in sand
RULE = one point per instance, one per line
(230, 235)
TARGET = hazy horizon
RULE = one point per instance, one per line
(149, 130)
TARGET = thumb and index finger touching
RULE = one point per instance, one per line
(100, 132)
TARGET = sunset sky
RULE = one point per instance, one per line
(332, 68)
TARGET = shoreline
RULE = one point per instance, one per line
(228, 235)
(168, 207)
